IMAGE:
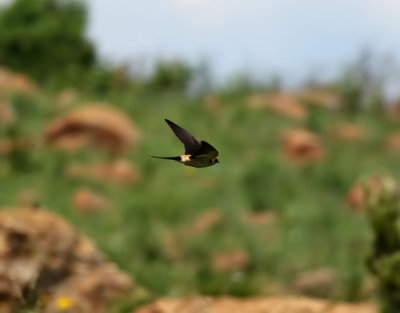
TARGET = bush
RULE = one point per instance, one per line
(171, 75)
(384, 261)
(45, 39)
(361, 86)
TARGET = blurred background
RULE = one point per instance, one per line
(300, 99)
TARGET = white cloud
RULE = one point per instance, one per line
(384, 12)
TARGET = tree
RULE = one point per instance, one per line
(45, 39)
(171, 75)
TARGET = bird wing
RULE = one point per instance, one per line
(191, 143)
(206, 150)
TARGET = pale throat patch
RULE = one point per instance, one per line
(185, 158)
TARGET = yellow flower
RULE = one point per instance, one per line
(64, 303)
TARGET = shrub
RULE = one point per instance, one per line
(45, 38)
(384, 262)
(171, 75)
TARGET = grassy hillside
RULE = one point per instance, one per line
(250, 225)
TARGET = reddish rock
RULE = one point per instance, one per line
(12, 82)
(360, 192)
(285, 104)
(65, 98)
(349, 132)
(87, 200)
(124, 172)
(255, 305)
(318, 283)
(8, 146)
(356, 197)
(323, 97)
(303, 146)
(392, 142)
(95, 125)
(8, 116)
(120, 171)
(205, 221)
(260, 218)
(231, 260)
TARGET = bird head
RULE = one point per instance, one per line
(214, 161)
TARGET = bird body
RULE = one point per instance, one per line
(198, 153)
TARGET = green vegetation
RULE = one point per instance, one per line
(148, 228)
(383, 212)
(45, 39)
(171, 76)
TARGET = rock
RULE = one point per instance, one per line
(349, 132)
(86, 200)
(96, 125)
(254, 305)
(303, 146)
(8, 146)
(12, 82)
(285, 104)
(318, 283)
(65, 98)
(392, 142)
(90, 291)
(205, 221)
(231, 260)
(319, 96)
(42, 254)
(121, 171)
(8, 116)
(361, 191)
(260, 218)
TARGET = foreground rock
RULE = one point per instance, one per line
(46, 263)
(255, 305)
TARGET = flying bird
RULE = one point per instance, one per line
(198, 153)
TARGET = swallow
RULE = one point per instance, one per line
(198, 153)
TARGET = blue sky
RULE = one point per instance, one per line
(294, 38)
(290, 37)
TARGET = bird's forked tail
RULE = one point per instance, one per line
(177, 158)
